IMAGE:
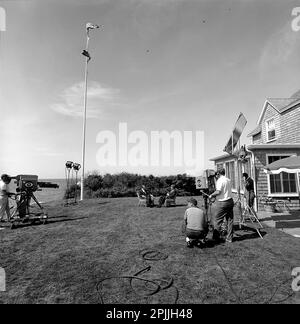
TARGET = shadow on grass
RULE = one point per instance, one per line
(248, 236)
(49, 221)
(172, 206)
(103, 202)
(247, 232)
(54, 220)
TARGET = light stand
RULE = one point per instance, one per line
(69, 166)
(76, 168)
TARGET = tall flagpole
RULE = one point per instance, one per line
(87, 55)
(84, 116)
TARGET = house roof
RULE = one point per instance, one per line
(220, 157)
(296, 94)
(280, 105)
(256, 131)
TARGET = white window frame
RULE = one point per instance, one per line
(269, 183)
(267, 130)
(227, 175)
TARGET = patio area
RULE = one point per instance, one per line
(288, 221)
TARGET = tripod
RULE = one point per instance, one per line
(68, 169)
(248, 211)
(75, 194)
(207, 205)
(23, 209)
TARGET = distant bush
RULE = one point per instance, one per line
(125, 185)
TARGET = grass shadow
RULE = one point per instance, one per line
(248, 236)
(51, 221)
(177, 205)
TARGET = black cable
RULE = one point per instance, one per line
(153, 255)
(227, 280)
(159, 284)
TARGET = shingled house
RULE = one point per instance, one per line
(276, 136)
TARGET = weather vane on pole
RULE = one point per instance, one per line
(85, 52)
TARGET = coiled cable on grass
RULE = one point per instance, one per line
(152, 286)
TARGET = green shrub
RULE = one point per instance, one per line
(125, 185)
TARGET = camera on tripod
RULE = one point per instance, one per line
(27, 183)
(26, 186)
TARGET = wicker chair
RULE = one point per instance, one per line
(170, 202)
(142, 200)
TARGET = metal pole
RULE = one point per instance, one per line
(239, 186)
(84, 118)
(298, 183)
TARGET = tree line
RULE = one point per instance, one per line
(125, 185)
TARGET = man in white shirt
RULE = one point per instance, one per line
(195, 224)
(225, 206)
(4, 194)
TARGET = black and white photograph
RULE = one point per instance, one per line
(149, 155)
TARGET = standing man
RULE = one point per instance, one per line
(4, 194)
(225, 206)
(249, 192)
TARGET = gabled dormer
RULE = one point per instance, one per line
(279, 122)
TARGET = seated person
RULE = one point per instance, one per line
(170, 195)
(144, 193)
(195, 224)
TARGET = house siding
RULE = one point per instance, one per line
(270, 113)
(287, 126)
(257, 139)
(261, 178)
(290, 126)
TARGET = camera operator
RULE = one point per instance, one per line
(4, 194)
(225, 206)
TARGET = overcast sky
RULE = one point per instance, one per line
(170, 65)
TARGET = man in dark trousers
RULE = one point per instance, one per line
(249, 192)
(225, 206)
(195, 225)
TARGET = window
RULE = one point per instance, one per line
(270, 126)
(282, 183)
(230, 173)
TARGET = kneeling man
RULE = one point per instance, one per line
(195, 224)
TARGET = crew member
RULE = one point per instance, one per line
(225, 206)
(249, 192)
(195, 225)
(4, 194)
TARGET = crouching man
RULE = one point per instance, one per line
(195, 225)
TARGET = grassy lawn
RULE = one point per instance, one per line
(65, 260)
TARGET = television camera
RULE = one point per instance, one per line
(26, 186)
